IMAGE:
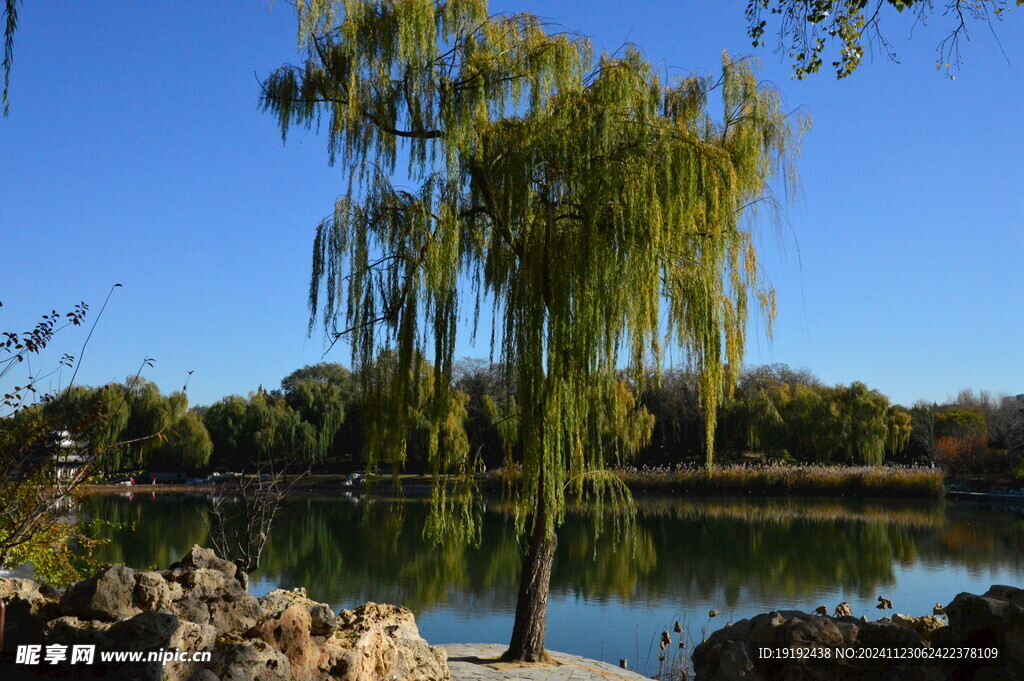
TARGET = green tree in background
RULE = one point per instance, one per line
(301, 423)
(674, 400)
(324, 395)
(277, 432)
(138, 424)
(323, 373)
(591, 205)
(152, 413)
(187, 447)
(899, 425)
(225, 421)
(490, 410)
(791, 416)
(103, 435)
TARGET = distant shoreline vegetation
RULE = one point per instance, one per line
(781, 432)
(774, 480)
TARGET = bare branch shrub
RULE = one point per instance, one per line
(242, 513)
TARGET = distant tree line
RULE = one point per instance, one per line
(777, 413)
(141, 426)
(774, 413)
(781, 414)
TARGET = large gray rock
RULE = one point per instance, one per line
(70, 630)
(107, 596)
(733, 652)
(994, 619)
(16, 587)
(373, 642)
(205, 589)
(925, 625)
(249, 660)
(29, 607)
(200, 558)
(289, 631)
(151, 591)
(150, 631)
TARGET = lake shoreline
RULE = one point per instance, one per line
(767, 481)
(727, 481)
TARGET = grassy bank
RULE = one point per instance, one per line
(777, 480)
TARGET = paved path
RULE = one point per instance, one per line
(476, 662)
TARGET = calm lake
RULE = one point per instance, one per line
(611, 597)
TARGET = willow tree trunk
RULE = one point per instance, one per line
(527, 643)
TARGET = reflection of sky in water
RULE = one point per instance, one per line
(615, 628)
(739, 557)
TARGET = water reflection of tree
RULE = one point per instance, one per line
(148, 532)
(343, 553)
(603, 566)
(978, 539)
(681, 551)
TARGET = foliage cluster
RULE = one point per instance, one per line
(38, 434)
(314, 418)
(974, 434)
(808, 29)
(779, 414)
(141, 428)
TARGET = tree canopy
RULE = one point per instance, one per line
(602, 213)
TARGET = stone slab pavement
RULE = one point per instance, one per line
(473, 662)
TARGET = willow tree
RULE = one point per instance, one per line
(601, 213)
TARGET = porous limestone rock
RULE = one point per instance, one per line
(200, 604)
(923, 625)
(382, 642)
(106, 596)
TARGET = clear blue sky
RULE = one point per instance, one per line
(135, 153)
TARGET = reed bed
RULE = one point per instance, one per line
(770, 480)
(788, 480)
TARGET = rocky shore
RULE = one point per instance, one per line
(896, 648)
(200, 605)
